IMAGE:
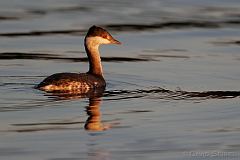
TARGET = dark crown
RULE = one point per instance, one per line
(97, 31)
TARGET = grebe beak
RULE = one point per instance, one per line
(114, 41)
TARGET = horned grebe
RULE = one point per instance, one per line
(82, 82)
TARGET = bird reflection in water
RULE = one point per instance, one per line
(94, 121)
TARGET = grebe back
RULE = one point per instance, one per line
(82, 82)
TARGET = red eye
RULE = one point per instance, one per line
(105, 36)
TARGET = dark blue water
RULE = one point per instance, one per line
(172, 86)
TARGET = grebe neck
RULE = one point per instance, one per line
(92, 50)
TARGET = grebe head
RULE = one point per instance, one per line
(98, 35)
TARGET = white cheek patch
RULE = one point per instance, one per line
(97, 40)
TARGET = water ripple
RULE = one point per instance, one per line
(165, 94)
(43, 56)
(126, 27)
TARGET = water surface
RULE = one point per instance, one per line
(172, 87)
